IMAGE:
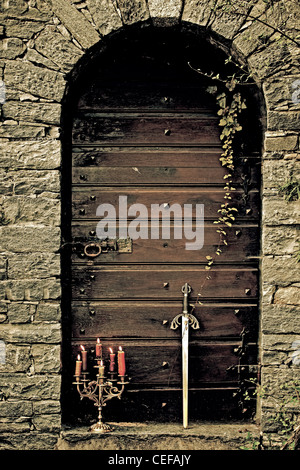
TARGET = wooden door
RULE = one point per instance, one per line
(153, 136)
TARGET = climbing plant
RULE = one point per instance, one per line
(290, 190)
(284, 419)
(230, 104)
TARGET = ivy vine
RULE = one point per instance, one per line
(229, 110)
(290, 190)
(230, 104)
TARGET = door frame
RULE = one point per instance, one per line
(66, 198)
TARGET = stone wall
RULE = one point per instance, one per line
(41, 43)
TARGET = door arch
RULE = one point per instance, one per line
(145, 127)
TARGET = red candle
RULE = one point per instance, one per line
(78, 366)
(98, 348)
(84, 358)
(121, 362)
(112, 361)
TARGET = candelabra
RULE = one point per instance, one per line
(99, 391)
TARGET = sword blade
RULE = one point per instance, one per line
(185, 368)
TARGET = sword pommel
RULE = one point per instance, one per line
(186, 289)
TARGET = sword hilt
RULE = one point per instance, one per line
(193, 322)
(186, 289)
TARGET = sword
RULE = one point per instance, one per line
(187, 319)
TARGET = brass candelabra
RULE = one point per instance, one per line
(100, 391)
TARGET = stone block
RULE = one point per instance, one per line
(11, 48)
(76, 23)
(38, 59)
(6, 183)
(24, 209)
(289, 295)
(3, 307)
(225, 22)
(284, 120)
(51, 44)
(14, 8)
(49, 333)
(46, 407)
(280, 319)
(3, 264)
(15, 408)
(278, 172)
(278, 342)
(105, 15)
(274, 378)
(281, 91)
(31, 387)
(280, 240)
(252, 36)
(30, 182)
(46, 358)
(12, 426)
(22, 29)
(169, 11)
(277, 211)
(18, 359)
(30, 290)
(274, 143)
(133, 11)
(267, 293)
(280, 270)
(27, 239)
(35, 440)
(46, 113)
(35, 80)
(48, 312)
(197, 11)
(20, 312)
(47, 423)
(39, 155)
(33, 265)
(268, 61)
(15, 130)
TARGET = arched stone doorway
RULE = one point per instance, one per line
(46, 46)
(145, 127)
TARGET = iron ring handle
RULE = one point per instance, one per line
(91, 254)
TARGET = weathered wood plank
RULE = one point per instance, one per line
(242, 245)
(204, 157)
(152, 95)
(148, 282)
(145, 130)
(159, 362)
(85, 200)
(135, 157)
(112, 320)
(164, 175)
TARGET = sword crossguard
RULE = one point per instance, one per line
(193, 322)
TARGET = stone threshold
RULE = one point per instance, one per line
(160, 436)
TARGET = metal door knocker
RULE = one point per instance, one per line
(91, 250)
